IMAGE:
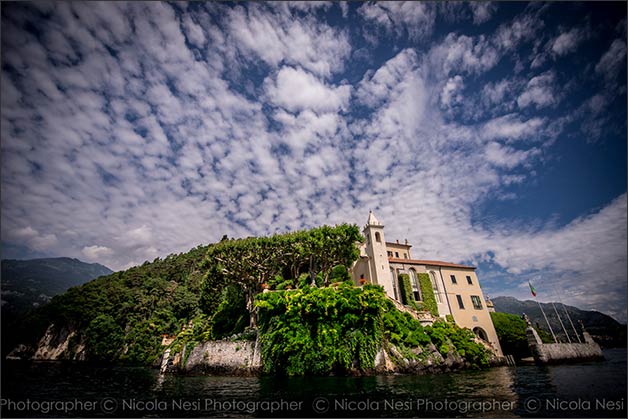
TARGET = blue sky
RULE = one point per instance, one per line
(484, 133)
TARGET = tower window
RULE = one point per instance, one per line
(460, 303)
(469, 281)
(453, 279)
(378, 238)
(477, 302)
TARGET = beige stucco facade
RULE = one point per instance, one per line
(461, 297)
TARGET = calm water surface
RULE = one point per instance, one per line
(595, 389)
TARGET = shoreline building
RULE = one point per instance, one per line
(456, 287)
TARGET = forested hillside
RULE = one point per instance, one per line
(31, 283)
(122, 316)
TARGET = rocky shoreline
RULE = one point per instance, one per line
(243, 358)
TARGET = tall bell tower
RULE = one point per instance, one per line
(379, 269)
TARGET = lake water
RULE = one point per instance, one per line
(595, 389)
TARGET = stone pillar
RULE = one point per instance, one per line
(535, 344)
(587, 337)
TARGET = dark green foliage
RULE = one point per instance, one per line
(103, 338)
(401, 329)
(511, 331)
(320, 330)
(339, 273)
(427, 293)
(447, 336)
(339, 330)
(546, 337)
(254, 261)
(123, 315)
(405, 288)
(231, 316)
(143, 343)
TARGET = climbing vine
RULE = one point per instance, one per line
(427, 292)
(406, 291)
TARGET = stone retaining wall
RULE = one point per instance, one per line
(546, 353)
(220, 357)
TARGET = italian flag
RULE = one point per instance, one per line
(532, 290)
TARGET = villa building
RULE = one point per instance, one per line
(456, 287)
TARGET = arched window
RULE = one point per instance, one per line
(378, 238)
(415, 285)
(479, 332)
(435, 286)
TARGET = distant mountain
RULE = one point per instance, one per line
(30, 283)
(606, 330)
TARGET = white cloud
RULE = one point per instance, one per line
(511, 127)
(540, 92)
(375, 87)
(193, 31)
(451, 93)
(568, 41)
(482, 11)
(296, 90)
(24, 233)
(416, 18)
(344, 8)
(95, 252)
(464, 53)
(287, 38)
(505, 156)
(612, 61)
(496, 93)
(538, 60)
(522, 29)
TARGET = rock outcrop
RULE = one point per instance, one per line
(243, 357)
(58, 343)
(220, 357)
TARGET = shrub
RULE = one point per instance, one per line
(320, 330)
(511, 331)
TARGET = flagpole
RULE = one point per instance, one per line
(542, 311)
(572, 326)
(560, 300)
(561, 322)
(547, 321)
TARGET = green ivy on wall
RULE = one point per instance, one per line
(427, 292)
(405, 288)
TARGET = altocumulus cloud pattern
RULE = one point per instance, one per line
(486, 133)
